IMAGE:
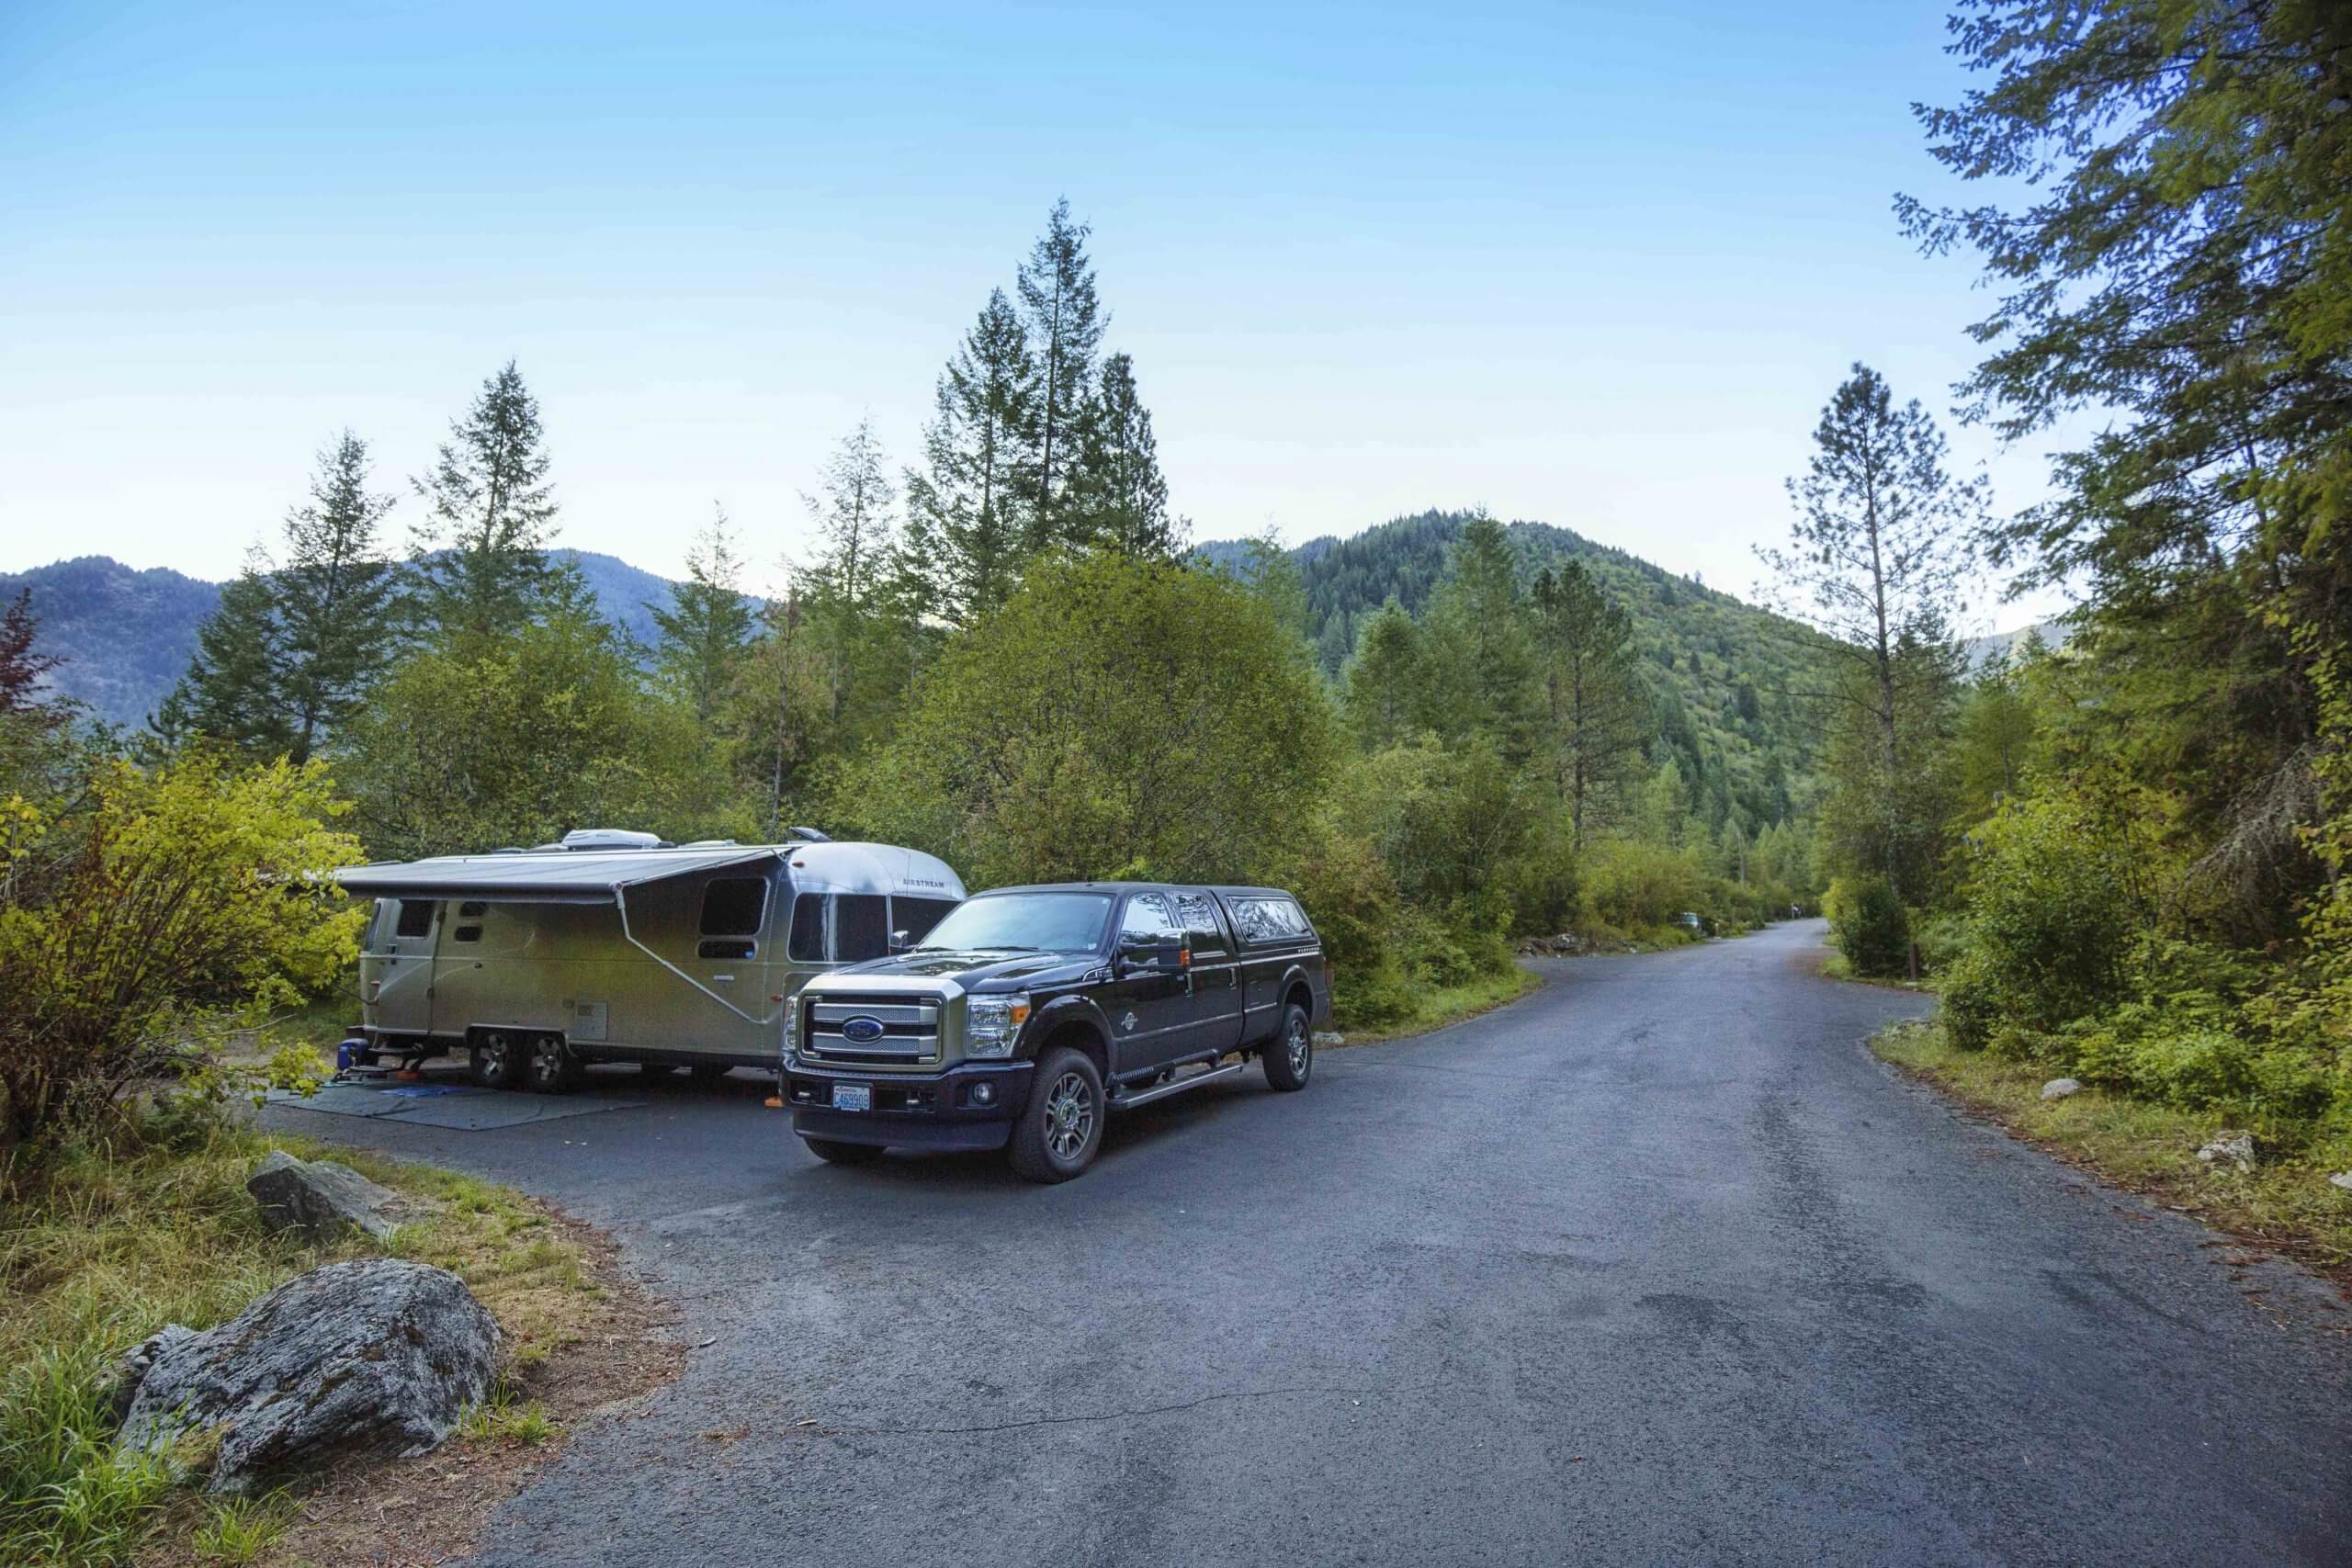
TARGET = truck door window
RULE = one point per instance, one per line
(733, 905)
(1147, 916)
(861, 926)
(416, 918)
(1201, 932)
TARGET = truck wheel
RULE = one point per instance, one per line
(1289, 1057)
(834, 1152)
(553, 1068)
(496, 1060)
(1061, 1127)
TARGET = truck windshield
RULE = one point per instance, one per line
(1024, 922)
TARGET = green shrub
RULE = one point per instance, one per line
(1870, 924)
(2193, 1069)
(2054, 911)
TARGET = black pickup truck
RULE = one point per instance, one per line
(1028, 1013)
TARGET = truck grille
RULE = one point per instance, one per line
(910, 1034)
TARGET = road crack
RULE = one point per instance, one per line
(1176, 1408)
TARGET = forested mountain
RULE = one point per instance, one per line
(126, 635)
(1728, 680)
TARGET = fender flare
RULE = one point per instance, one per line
(1317, 1000)
(1076, 1007)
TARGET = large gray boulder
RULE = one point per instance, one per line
(378, 1357)
(321, 1199)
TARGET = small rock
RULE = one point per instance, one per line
(2232, 1147)
(322, 1199)
(2342, 1178)
(1330, 1037)
(377, 1357)
(2058, 1088)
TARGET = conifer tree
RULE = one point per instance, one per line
(333, 597)
(1481, 659)
(1594, 712)
(704, 632)
(481, 560)
(1117, 495)
(1065, 323)
(22, 669)
(966, 507)
(234, 689)
(1385, 680)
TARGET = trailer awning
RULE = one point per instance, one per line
(568, 877)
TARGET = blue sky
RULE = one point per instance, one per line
(1599, 265)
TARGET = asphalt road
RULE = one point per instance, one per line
(1656, 1265)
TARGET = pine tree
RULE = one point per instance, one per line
(1480, 656)
(333, 596)
(22, 669)
(233, 691)
(481, 565)
(1594, 712)
(857, 539)
(704, 632)
(965, 510)
(1118, 496)
(1065, 322)
(1877, 557)
(1385, 681)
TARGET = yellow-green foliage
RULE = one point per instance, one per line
(178, 905)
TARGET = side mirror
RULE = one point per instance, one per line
(900, 941)
(1163, 954)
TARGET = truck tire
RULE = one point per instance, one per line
(496, 1059)
(1061, 1127)
(832, 1151)
(553, 1068)
(1289, 1057)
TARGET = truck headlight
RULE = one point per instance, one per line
(992, 1023)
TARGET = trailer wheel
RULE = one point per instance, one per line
(496, 1060)
(708, 1074)
(832, 1151)
(553, 1068)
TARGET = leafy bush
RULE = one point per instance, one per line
(1870, 924)
(178, 905)
(2056, 908)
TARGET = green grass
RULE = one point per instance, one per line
(105, 1243)
(500, 1420)
(239, 1529)
(1439, 1006)
(2284, 1202)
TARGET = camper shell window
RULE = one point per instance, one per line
(732, 906)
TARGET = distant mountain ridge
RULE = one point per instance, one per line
(126, 635)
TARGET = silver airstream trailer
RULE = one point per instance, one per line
(615, 946)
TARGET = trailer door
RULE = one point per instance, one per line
(396, 974)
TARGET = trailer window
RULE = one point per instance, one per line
(806, 943)
(917, 915)
(416, 918)
(861, 926)
(732, 906)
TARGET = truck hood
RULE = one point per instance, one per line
(972, 971)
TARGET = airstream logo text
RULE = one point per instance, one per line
(861, 1031)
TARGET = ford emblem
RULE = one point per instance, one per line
(861, 1031)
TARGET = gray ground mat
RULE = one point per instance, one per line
(459, 1106)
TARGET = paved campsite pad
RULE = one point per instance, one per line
(461, 1107)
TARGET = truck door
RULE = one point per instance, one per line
(1216, 974)
(1150, 1010)
(396, 976)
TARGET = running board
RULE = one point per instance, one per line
(1178, 1086)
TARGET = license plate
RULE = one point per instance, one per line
(852, 1097)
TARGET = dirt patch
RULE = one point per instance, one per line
(414, 1513)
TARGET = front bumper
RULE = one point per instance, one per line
(912, 1111)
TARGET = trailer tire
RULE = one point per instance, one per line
(495, 1059)
(832, 1151)
(1060, 1129)
(553, 1068)
(1289, 1057)
(708, 1074)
